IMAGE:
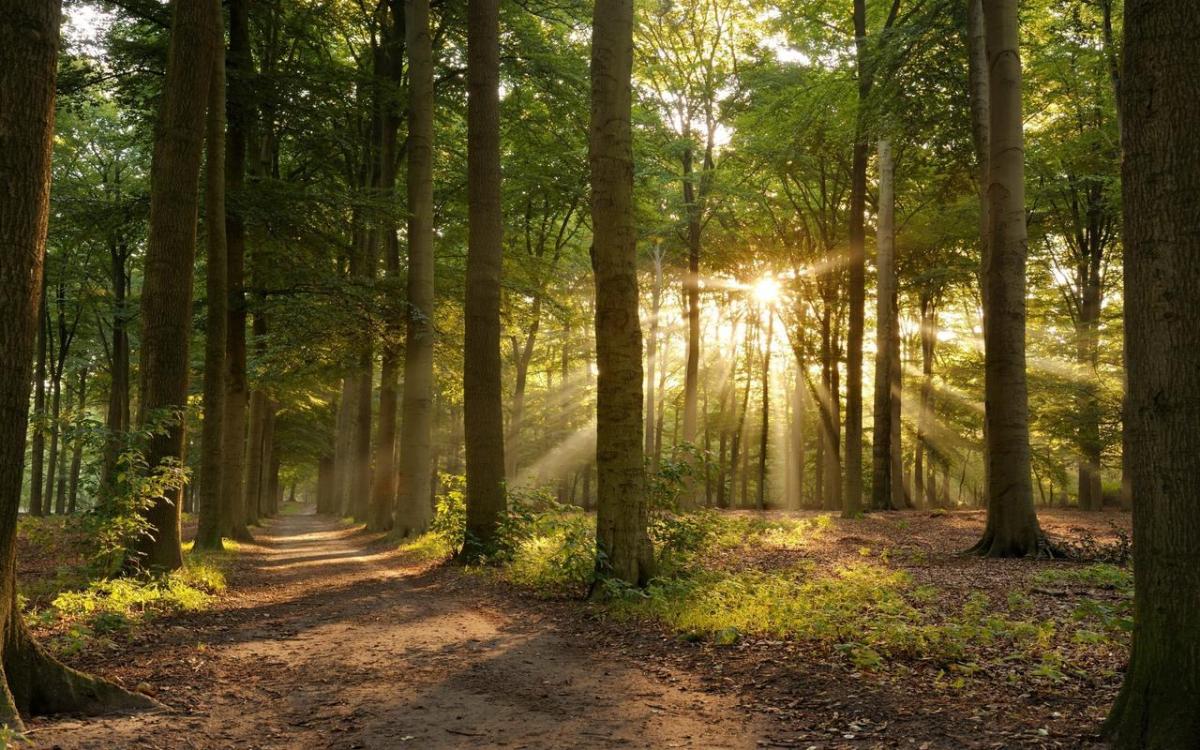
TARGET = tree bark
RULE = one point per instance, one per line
(37, 469)
(1012, 526)
(765, 433)
(413, 512)
(624, 551)
(1161, 190)
(213, 508)
(31, 681)
(170, 252)
(77, 447)
(389, 68)
(652, 349)
(238, 71)
(481, 377)
(881, 446)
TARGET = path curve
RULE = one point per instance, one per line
(329, 639)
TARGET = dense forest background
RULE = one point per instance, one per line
(746, 120)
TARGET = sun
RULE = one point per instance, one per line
(766, 290)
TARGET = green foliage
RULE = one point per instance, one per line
(118, 519)
(113, 607)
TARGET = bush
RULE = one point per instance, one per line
(116, 606)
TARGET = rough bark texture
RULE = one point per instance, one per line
(37, 469)
(389, 72)
(77, 448)
(237, 109)
(482, 411)
(30, 680)
(213, 510)
(170, 254)
(413, 511)
(881, 447)
(1012, 527)
(1159, 703)
(624, 548)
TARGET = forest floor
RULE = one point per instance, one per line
(329, 637)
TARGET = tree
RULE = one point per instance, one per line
(886, 337)
(388, 73)
(32, 681)
(481, 362)
(213, 504)
(1161, 183)
(416, 442)
(623, 547)
(1012, 526)
(238, 71)
(167, 289)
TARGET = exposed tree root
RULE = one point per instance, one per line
(1036, 545)
(36, 683)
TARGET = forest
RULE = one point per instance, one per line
(599, 373)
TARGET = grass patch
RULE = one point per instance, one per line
(108, 609)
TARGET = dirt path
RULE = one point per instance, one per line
(328, 640)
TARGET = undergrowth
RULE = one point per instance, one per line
(869, 612)
(107, 609)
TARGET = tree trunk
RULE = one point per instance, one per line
(764, 436)
(384, 479)
(213, 507)
(170, 252)
(881, 446)
(255, 456)
(481, 377)
(30, 680)
(238, 71)
(77, 447)
(624, 549)
(1161, 187)
(1012, 527)
(1091, 491)
(52, 424)
(116, 421)
(325, 485)
(691, 288)
(652, 348)
(37, 469)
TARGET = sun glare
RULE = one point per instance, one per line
(766, 290)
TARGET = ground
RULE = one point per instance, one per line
(330, 637)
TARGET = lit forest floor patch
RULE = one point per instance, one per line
(328, 638)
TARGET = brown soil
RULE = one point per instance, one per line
(330, 639)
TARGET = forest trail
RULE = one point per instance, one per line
(328, 639)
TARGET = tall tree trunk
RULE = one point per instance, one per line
(170, 252)
(852, 500)
(691, 287)
(116, 421)
(37, 469)
(652, 348)
(238, 71)
(881, 446)
(31, 681)
(1091, 491)
(481, 377)
(214, 508)
(389, 69)
(623, 546)
(325, 485)
(925, 413)
(77, 444)
(764, 436)
(255, 455)
(1012, 527)
(899, 490)
(1161, 187)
